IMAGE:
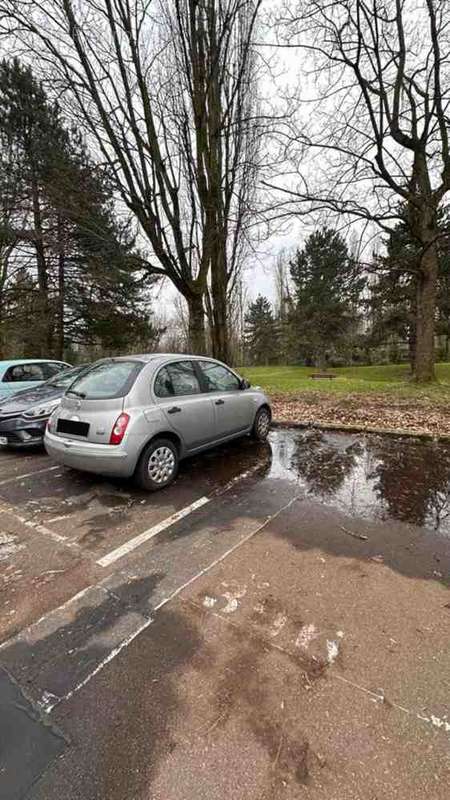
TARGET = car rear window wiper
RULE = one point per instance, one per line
(78, 394)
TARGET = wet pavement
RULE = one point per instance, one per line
(276, 624)
(379, 477)
(23, 740)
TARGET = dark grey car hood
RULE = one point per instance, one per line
(28, 398)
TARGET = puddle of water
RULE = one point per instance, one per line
(379, 477)
(224, 463)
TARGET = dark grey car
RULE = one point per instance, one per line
(24, 415)
(138, 415)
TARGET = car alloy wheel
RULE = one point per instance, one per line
(158, 465)
(261, 425)
(161, 464)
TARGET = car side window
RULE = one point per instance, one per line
(177, 379)
(24, 372)
(51, 369)
(33, 372)
(218, 378)
(14, 374)
(163, 384)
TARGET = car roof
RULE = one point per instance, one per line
(148, 357)
(71, 368)
(16, 361)
(145, 356)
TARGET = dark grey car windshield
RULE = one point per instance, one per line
(107, 380)
(64, 379)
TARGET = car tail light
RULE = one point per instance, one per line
(51, 424)
(118, 431)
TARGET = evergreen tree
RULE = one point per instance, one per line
(261, 333)
(392, 300)
(27, 125)
(60, 225)
(327, 288)
(443, 299)
(21, 317)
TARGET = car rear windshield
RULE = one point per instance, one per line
(107, 380)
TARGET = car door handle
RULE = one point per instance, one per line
(220, 402)
(174, 410)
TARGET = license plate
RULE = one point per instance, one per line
(3, 441)
(73, 426)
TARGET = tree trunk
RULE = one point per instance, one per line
(412, 348)
(2, 345)
(219, 297)
(215, 218)
(60, 342)
(426, 308)
(46, 344)
(2, 310)
(219, 328)
(197, 336)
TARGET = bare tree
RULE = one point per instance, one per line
(281, 285)
(211, 93)
(237, 307)
(377, 134)
(6, 248)
(165, 90)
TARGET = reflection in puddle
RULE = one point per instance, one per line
(376, 476)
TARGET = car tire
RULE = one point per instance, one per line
(158, 465)
(261, 425)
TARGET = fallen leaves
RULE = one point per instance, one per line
(375, 412)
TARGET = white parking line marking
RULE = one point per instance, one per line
(53, 613)
(131, 545)
(228, 552)
(47, 707)
(240, 477)
(437, 722)
(36, 526)
(42, 529)
(28, 475)
(376, 697)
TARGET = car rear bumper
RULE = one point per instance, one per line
(103, 459)
(21, 432)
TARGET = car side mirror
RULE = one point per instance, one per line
(245, 384)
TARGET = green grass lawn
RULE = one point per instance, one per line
(390, 379)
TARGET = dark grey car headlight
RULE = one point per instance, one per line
(41, 411)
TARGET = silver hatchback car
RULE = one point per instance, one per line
(139, 415)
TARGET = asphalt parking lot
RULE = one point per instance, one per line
(274, 625)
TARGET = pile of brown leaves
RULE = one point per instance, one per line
(374, 412)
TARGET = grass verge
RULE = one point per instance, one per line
(392, 379)
(374, 398)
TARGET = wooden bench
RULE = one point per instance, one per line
(322, 376)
